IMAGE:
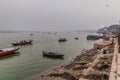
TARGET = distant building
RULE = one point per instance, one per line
(103, 30)
(113, 29)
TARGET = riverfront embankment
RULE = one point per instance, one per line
(93, 64)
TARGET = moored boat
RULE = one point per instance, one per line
(93, 37)
(76, 38)
(6, 51)
(62, 40)
(52, 54)
(97, 37)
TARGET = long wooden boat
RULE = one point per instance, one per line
(97, 37)
(6, 51)
(93, 37)
(52, 54)
(22, 43)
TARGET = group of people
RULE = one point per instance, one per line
(23, 42)
(112, 41)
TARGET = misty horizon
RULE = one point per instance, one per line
(57, 15)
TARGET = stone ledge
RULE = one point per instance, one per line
(101, 44)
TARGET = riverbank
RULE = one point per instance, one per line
(92, 64)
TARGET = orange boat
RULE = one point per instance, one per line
(6, 51)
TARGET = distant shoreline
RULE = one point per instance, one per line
(47, 31)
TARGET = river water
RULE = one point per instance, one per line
(29, 61)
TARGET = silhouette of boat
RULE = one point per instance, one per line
(6, 51)
(22, 43)
(76, 38)
(93, 37)
(31, 34)
(62, 40)
(52, 54)
(97, 37)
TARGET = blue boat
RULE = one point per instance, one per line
(93, 37)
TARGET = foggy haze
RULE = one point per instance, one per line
(58, 15)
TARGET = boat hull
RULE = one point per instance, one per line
(93, 37)
(52, 55)
(8, 51)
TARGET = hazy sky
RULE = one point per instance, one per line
(58, 14)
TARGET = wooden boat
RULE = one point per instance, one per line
(6, 51)
(52, 54)
(93, 37)
(62, 40)
(22, 43)
(97, 37)
(76, 38)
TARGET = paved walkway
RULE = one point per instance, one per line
(115, 67)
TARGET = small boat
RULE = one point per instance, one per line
(52, 54)
(76, 38)
(31, 34)
(22, 43)
(93, 37)
(62, 40)
(6, 51)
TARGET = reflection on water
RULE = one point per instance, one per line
(30, 61)
(10, 56)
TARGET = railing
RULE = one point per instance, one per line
(115, 68)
